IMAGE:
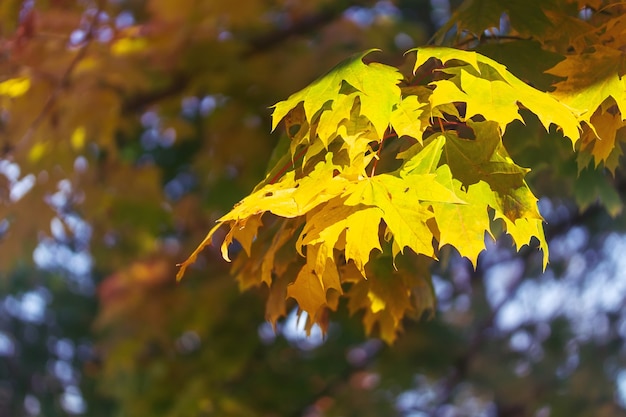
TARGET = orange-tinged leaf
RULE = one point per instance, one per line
(307, 291)
(330, 278)
(275, 307)
(390, 294)
(282, 236)
(591, 79)
(606, 127)
(244, 232)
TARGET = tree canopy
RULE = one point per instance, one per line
(414, 184)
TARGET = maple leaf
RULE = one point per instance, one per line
(463, 226)
(307, 291)
(526, 59)
(275, 307)
(423, 94)
(405, 219)
(594, 84)
(422, 158)
(486, 86)
(313, 282)
(391, 293)
(602, 140)
(592, 186)
(280, 239)
(406, 117)
(375, 85)
(359, 223)
(591, 79)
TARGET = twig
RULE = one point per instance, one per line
(288, 165)
(388, 134)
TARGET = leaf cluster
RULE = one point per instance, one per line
(381, 172)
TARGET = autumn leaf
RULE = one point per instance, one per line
(375, 85)
(405, 219)
(485, 85)
(591, 78)
(463, 226)
(406, 117)
(307, 291)
(359, 223)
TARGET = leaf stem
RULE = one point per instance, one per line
(388, 134)
(299, 155)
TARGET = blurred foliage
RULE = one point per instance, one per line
(128, 127)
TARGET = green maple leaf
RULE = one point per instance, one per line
(592, 185)
(483, 158)
(375, 85)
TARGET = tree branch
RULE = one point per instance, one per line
(255, 46)
(64, 80)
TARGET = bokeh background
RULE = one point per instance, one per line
(130, 126)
